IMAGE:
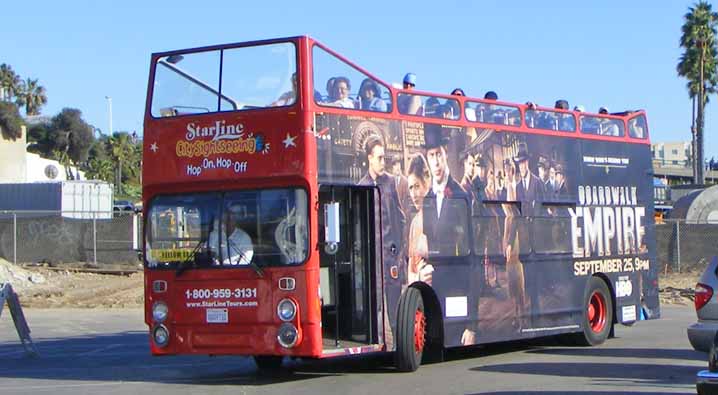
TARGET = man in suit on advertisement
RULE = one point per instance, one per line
(530, 191)
(446, 226)
(393, 220)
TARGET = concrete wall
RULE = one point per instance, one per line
(13, 165)
(59, 239)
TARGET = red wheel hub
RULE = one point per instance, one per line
(596, 312)
(419, 330)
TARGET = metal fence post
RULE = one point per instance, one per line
(14, 238)
(678, 244)
(94, 237)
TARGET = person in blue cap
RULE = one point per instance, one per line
(407, 103)
(409, 81)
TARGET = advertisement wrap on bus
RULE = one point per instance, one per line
(297, 206)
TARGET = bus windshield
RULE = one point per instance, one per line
(225, 80)
(236, 228)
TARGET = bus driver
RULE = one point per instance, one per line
(235, 244)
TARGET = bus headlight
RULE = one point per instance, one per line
(287, 335)
(161, 336)
(286, 310)
(159, 311)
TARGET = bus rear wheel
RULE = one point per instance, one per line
(411, 331)
(597, 313)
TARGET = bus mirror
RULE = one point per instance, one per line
(331, 227)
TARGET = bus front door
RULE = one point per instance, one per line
(348, 279)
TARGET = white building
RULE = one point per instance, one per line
(18, 166)
(672, 154)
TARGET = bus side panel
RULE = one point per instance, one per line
(492, 220)
(615, 225)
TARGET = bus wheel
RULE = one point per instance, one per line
(268, 362)
(597, 313)
(411, 331)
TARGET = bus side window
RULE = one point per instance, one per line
(637, 127)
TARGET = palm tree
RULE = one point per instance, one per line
(698, 65)
(120, 147)
(32, 96)
(99, 169)
(10, 82)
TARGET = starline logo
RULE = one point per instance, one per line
(220, 130)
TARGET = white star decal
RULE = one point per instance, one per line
(289, 141)
(154, 148)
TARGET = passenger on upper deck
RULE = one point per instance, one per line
(431, 107)
(561, 104)
(330, 90)
(491, 95)
(370, 96)
(407, 103)
(603, 110)
(341, 88)
(458, 92)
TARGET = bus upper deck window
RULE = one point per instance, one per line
(602, 126)
(340, 84)
(637, 127)
(550, 120)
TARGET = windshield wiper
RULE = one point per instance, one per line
(192, 258)
(250, 262)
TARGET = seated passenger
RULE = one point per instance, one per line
(561, 104)
(446, 111)
(458, 92)
(491, 95)
(608, 127)
(341, 88)
(431, 107)
(287, 98)
(370, 97)
(603, 110)
(407, 103)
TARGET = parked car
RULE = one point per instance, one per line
(123, 205)
(707, 380)
(701, 333)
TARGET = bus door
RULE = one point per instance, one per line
(348, 280)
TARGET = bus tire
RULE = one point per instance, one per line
(410, 331)
(597, 313)
(268, 362)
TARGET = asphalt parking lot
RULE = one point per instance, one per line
(106, 351)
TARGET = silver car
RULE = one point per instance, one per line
(701, 333)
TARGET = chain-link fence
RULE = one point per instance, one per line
(70, 236)
(685, 246)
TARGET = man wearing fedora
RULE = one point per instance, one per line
(445, 216)
(530, 191)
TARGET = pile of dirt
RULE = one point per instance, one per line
(74, 286)
(678, 288)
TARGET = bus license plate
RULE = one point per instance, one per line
(217, 316)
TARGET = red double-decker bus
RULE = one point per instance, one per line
(296, 205)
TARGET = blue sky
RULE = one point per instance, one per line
(613, 53)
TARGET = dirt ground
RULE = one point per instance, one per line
(79, 286)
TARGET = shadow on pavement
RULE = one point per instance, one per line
(125, 356)
(651, 374)
(652, 353)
